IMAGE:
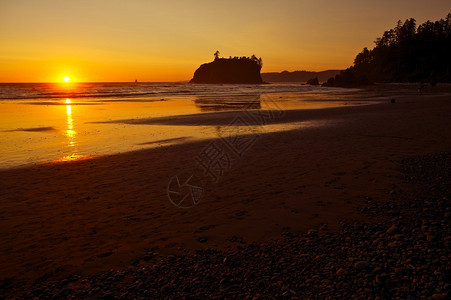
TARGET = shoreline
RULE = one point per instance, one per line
(80, 130)
(85, 217)
(180, 125)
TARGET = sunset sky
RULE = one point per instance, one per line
(153, 40)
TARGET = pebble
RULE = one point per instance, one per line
(341, 271)
(202, 240)
(430, 237)
(439, 296)
(392, 229)
(360, 265)
(312, 232)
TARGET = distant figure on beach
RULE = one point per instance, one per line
(426, 86)
(421, 87)
(136, 80)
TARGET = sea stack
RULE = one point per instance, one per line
(230, 70)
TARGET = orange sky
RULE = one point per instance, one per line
(153, 40)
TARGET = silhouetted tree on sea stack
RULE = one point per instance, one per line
(216, 54)
(259, 61)
(403, 54)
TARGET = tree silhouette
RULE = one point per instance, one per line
(259, 61)
(404, 54)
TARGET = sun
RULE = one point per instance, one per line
(66, 79)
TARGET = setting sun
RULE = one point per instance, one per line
(66, 78)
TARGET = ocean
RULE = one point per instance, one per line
(142, 91)
(57, 122)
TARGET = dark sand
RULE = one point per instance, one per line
(93, 215)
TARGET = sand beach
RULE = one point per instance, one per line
(88, 216)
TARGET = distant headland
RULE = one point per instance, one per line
(230, 70)
(299, 76)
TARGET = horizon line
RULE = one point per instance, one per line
(73, 82)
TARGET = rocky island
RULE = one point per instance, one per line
(230, 70)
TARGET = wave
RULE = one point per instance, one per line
(33, 91)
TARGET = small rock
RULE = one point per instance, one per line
(202, 240)
(377, 270)
(164, 289)
(438, 296)
(108, 296)
(392, 229)
(430, 237)
(224, 282)
(360, 265)
(341, 271)
(312, 232)
(380, 279)
(323, 227)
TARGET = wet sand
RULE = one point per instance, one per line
(67, 129)
(87, 216)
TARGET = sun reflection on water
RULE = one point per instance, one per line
(70, 133)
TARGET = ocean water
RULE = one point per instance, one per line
(103, 91)
(54, 122)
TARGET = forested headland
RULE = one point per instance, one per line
(406, 53)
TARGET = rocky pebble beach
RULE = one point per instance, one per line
(400, 252)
